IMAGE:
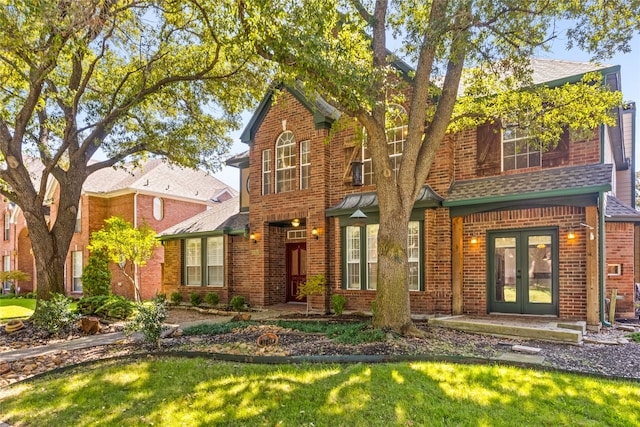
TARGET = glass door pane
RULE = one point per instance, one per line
(540, 264)
(505, 269)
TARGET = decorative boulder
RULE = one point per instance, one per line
(90, 325)
(241, 317)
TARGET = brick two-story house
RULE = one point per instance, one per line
(499, 227)
(154, 193)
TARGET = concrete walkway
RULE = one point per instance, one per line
(111, 338)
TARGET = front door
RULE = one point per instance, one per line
(523, 271)
(296, 269)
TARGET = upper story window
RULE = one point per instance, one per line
(7, 226)
(266, 171)
(78, 226)
(158, 208)
(396, 136)
(76, 271)
(519, 149)
(305, 164)
(285, 162)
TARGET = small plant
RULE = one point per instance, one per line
(195, 299)
(237, 303)
(148, 320)
(313, 286)
(212, 299)
(338, 302)
(374, 305)
(160, 297)
(116, 307)
(96, 276)
(176, 297)
(634, 337)
(54, 315)
(30, 295)
(89, 305)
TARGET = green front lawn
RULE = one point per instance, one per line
(178, 391)
(16, 308)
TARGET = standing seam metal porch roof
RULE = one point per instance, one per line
(539, 184)
(427, 198)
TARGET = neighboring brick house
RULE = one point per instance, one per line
(155, 192)
(496, 229)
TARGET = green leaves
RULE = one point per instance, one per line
(122, 242)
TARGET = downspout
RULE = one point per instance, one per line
(135, 266)
(601, 255)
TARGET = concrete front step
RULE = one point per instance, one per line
(548, 332)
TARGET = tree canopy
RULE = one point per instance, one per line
(130, 78)
(472, 63)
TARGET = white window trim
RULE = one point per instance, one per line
(286, 139)
(76, 271)
(215, 261)
(526, 136)
(266, 171)
(306, 144)
(399, 113)
(158, 208)
(191, 262)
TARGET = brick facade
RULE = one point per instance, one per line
(264, 279)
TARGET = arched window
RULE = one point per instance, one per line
(396, 128)
(158, 208)
(285, 162)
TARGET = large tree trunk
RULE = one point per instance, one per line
(392, 297)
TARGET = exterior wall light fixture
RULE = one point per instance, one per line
(253, 237)
(474, 240)
(315, 233)
(295, 222)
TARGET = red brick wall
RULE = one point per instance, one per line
(619, 250)
(572, 265)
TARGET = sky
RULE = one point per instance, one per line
(629, 66)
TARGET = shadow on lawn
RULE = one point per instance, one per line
(201, 392)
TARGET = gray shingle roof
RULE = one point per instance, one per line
(214, 219)
(426, 198)
(617, 211)
(544, 183)
(157, 177)
(547, 70)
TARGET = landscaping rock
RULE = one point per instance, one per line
(90, 325)
(4, 368)
(241, 317)
(626, 328)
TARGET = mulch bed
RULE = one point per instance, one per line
(612, 360)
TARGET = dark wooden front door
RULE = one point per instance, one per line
(296, 269)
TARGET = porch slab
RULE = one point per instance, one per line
(534, 329)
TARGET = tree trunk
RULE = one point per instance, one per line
(392, 297)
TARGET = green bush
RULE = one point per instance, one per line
(176, 297)
(116, 307)
(30, 295)
(212, 299)
(338, 302)
(89, 305)
(195, 299)
(374, 305)
(54, 315)
(237, 303)
(96, 276)
(148, 320)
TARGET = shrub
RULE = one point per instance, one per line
(160, 297)
(89, 305)
(635, 337)
(212, 299)
(374, 305)
(313, 286)
(338, 302)
(237, 303)
(54, 315)
(116, 307)
(195, 299)
(30, 295)
(148, 320)
(176, 297)
(96, 276)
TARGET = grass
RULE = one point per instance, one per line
(346, 333)
(16, 308)
(634, 336)
(199, 391)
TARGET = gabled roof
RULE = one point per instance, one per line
(554, 72)
(157, 177)
(617, 211)
(323, 113)
(556, 182)
(240, 160)
(220, 218)
(368, 202)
